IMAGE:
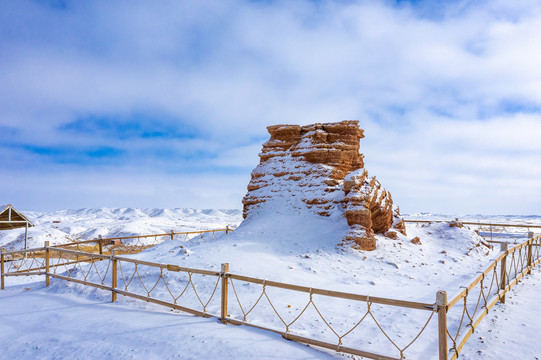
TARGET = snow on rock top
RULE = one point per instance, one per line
(318, 170)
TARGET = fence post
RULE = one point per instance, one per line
(441, 302)
(227, 229)
(172, 233)
(100, 244)
(2, 267)
(47, 277)
(225, 280)
(503, 271)
(530, 245)
(114, 276)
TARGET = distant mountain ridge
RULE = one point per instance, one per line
(63, 226)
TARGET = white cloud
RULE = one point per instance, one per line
(439, 95)
(125, 187)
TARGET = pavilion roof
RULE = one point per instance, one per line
(10, 218)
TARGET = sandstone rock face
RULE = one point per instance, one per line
(319, 167)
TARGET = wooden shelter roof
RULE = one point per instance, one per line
(12, 219)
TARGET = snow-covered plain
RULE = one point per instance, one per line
(66, 320)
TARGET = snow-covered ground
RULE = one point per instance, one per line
(283, 247)
(40, 323)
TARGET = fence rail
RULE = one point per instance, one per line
(136, 244)
(243, 300)
(487, 289)
(33, 259)
(206, 293)
(473, 223)
(493, 232)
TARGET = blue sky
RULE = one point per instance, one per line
(165, 104)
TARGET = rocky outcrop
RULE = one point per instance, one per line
(319, 167)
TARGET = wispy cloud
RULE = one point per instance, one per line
(449, 94)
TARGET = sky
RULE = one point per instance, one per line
(164, 104)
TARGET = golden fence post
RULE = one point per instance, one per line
(225, 280)
(47, 277)
(114, 276)
(227, 229)
(503, 271)
(530, 245)
(2, 267)
(100, 246)
(441, 303)
(172, 234)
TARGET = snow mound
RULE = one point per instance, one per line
(299, 250)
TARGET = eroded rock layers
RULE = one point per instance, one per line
(319, 167)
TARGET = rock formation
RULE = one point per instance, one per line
(319, 167)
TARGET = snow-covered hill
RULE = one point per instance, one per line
(82, 224)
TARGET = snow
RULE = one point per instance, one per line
(85, 224)
(510, 330)
(40, 323)
(497, 219)
(283, 246)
